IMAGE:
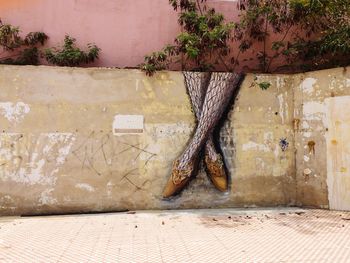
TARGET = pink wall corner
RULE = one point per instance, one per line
(125, 30)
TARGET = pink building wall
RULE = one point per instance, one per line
(125, 30)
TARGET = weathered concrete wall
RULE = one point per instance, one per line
(262, 173)
(311, 91)
(338, 150)
(58, 153)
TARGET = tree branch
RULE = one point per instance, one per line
(265, 34)
(199, 7)
(283, 38)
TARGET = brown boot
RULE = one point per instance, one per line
(216, 172)
(178, 179)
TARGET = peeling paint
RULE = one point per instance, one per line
(253, 146)
(46, 197)
(307, 86)
(305, 125)
(92, 169)
(307, 134)
(338, 152)
(282, 106)
(85, 187)
(14, 112)
(280, 82)
(110, 186)
(276, 152)
(32, 167)
(313, 110)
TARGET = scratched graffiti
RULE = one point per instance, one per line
(104, 155)
(31, 159)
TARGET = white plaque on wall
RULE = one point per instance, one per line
(128, 124)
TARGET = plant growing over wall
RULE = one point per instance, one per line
(18, 50)
(311, 34)
(202, 45)
(25, 51)
(70, 55)
(282, 35)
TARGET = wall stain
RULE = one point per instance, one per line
(311, 145)
(284, 144)
(296, 123)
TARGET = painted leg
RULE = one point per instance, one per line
(215, 166)
(218, 95)
(197, 85)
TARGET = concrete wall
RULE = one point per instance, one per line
(58, 152)
(338, 161)
(311, 92)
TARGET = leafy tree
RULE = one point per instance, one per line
(202, 45)
(20, 51)
(70, 55)
(312, 34)
(281, 35)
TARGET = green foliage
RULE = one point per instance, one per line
(307, 34)
(157, 60)
(9, 37)
(20, 51)
(27, 56)
(34, 38)
(264, 85)
(186, 5)
(70, 55)
(25, 51)
(313, 34)
(202, 45)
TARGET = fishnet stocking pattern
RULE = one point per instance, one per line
(217, 95)
(197, 85)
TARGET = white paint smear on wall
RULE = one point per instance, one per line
(338, 153)
(307, 86)
(85, 187)
(253, 146)
(283, 106)
(14, 112)
(46, 197)
(30, 163)
(314, 110)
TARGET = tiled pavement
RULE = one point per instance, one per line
(259, 235)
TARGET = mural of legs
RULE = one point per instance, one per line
(197, 85)
(217, 96)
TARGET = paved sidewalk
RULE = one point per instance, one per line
(236, 235)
